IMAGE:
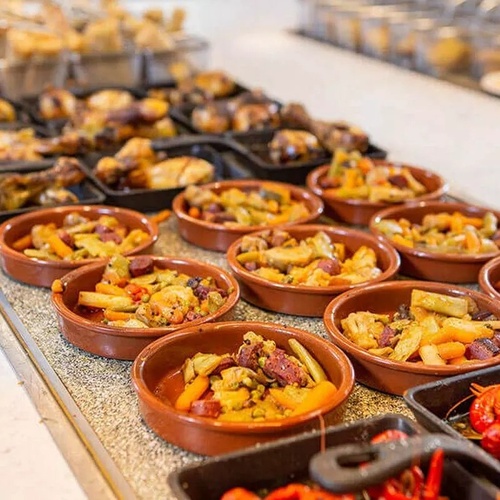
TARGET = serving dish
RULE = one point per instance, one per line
(266, 463)
(309, 300)
(158, 368)
(251, 150)
(150, 200)
(124, 342)
(436, 404)
(218, 237)
(356, 211)
(489, 277)
(85, 190)
(44, 272)
(421, 263)
(385, 374)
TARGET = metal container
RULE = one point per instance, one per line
(486, 58)
(192, 51)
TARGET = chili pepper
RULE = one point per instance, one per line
(135, 291)
(297, 491)
(389, 435)
(394, 489)
(239, 494)
(434, 476)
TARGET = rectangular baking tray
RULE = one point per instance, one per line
(152, 200)
(86, 192)
(250, 152)
(431, 402)
(274, 464)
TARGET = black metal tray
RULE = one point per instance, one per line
(251, 151)
(152, 200)
(431, 402)
(86, 192)
(24, 118)
(275, 464)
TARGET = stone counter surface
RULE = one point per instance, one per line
(103, 390)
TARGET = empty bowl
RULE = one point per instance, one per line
(158, 370)
(125, 342)
(305, 300)
(43, 272)
(218, 236)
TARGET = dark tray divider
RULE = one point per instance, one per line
(86, 191)
(274, 464)
(152, 200)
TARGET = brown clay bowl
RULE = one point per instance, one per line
(218, 237)
(309, 300)
(126, 343)
(157, 369)
(360, 211)
(44, 272)
(489, 275)
(384, 374)
(419, 263)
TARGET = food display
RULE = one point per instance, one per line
(138, 166)
(248, 111)
(354, 176)
(196, 89)
(313, 261)
(434, 329)
(445, 232)
(270, 205)
(134, 293)
(43, 188)
(259, 382)
(79, 238)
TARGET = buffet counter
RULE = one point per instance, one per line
(423, 121)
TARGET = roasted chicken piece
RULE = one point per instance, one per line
(332, 135)
(7, 111)
(215, 83)
(55, 103)
(70, 143)
(19, 145)
(256, 117)
(41, 188)
(294, 145)
(109, 100)
(212, 118)
(147, 110)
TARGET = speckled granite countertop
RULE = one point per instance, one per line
(103, 391)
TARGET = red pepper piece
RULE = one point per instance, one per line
(389, 435)
(434, 476)
(239, 494)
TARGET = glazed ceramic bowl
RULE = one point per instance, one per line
(157, 369)
(360, 211)
(309, 300)
(384, 374)
(126, 343)
(44, 272)
(218, 237)
(489, 278)
(419, 263)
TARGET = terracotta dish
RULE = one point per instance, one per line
(381, 373)
(419, 263)
(355, 211)
(44, 272)
(489, 278)
(218, 237)
(126, 343)
(309, 300)
(163, 360)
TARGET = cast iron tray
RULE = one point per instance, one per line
(275, 464)
(431, 402)
(183, 114)
(56, 125)
(86, 192)
(152, 200)
(251, 151)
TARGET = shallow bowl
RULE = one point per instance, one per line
(384, 374)
(420, 263)
(309, 300)
(126, 343)
(44, 272)
(218, 237)
(160, 363)
(489, 276)
(360, 212)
